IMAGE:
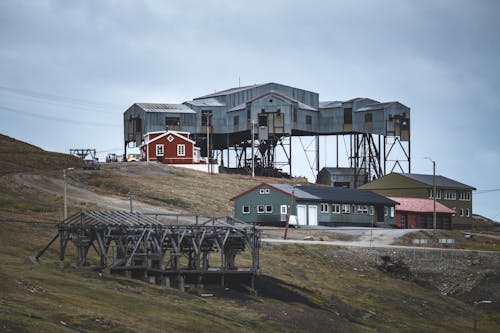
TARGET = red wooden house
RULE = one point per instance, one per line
(170, 147)
(418, 213)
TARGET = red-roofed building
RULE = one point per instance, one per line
(417, 213)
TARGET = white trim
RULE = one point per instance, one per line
(176, 133)
(162, 146)
(243, 210)
(181, 152)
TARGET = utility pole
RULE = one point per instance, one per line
(130, 195)
(433, 193)
(253, 156)
(65, 193)
(434, 190)
(208, 144)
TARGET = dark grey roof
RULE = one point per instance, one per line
(297, 192)
(335, 194)
(441, 181)
(347, 195)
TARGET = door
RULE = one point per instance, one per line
(312, 214)
(301, 215)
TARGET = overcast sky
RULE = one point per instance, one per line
(69, 69)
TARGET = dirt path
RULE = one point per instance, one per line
(52, 185)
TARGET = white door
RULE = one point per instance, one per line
(301, 215)
(312, 213)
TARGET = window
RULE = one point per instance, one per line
(170, 138)
(467, 212)
(245, 209)
(260, 209)
(450, 195)
(362, 209)
(181, 150)
(372, 210)
(205, 117)
(236, 120)
(269, 209)
(264, 191)
(263, 120)
(346, 209)
(348, 116)
(464, 196)
(368, 118)
(294, 115)
(172, 121)
(438, 191)
(324, 208)
(386, 211)
(159, 150)
(309, 120)
(336, 209)
(461, 212)
(283, 209)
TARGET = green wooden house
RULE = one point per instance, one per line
(269, 204)
(449, 192)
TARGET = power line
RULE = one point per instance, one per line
(63, 99)
(53, 118)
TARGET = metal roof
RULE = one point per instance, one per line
(376, 106)
(347, 195)
(441, 181)
(334, 194)
(420, 205)
(206, 102)
(230, 91)
(297, 192)
(172, 108)
(330, 104)
(300, 105)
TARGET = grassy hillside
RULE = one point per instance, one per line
(19, 156)
(302, 287)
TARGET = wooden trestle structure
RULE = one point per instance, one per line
(169, 249)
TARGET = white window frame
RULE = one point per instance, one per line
(261, 209)
(160, 150)
(324, 208)
(362, 209)
(181, 149)
(467, 212)
(269, 209)
(346, 209)
(243, 209)
(336, 208)
(450, 195)
(283, 209)
(170, 138)
(264, 191)
(392, 212)
(461, 212)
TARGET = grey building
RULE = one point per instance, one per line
(268, 204)
(342, 177)
(225, 120)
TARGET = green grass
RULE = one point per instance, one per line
(303, 288)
